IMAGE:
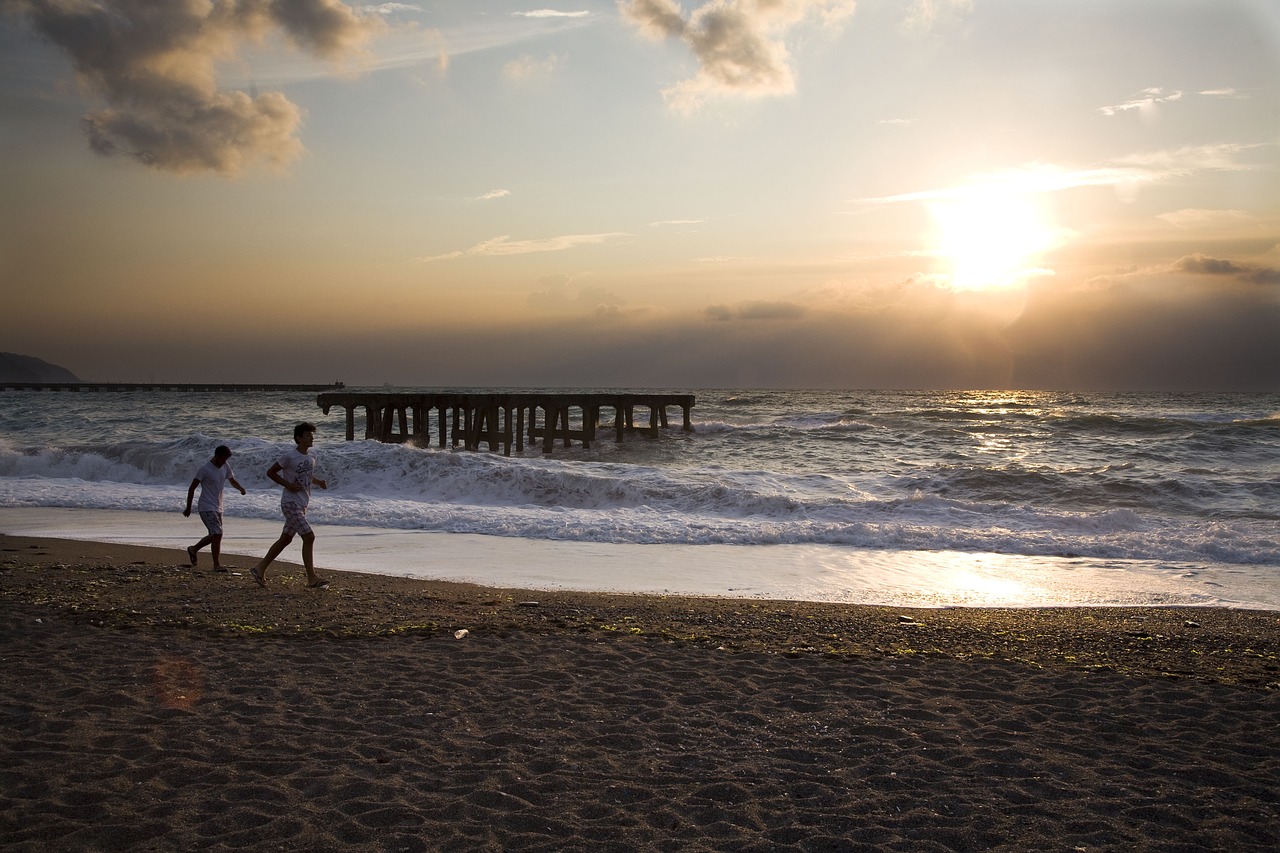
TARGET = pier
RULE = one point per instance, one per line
(502, 421)
(191, 387)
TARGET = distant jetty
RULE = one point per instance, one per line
(194, 387)
(503, 421)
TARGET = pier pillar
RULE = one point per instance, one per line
(499, 420)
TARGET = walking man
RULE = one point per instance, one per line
(211, 478)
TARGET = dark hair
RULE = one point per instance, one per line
(301, 428)
(222, 450)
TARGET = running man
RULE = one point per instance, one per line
(295, 471)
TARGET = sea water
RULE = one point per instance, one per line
(925, 498)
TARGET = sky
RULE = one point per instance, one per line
(978, 194)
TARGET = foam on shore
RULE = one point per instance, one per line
(776, 572)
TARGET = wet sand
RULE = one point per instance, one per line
(150, 705)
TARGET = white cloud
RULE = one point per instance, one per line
(923, 13)
(392, 8)
(1124, 172)
(551, 13)
(1200, 218)
(1145, 101)
(492, 194)
(1222, 93)
(505, 246)
(526, 67)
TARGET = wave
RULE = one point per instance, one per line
(911, 525)
(1013, 509)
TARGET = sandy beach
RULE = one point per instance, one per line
(151, 705)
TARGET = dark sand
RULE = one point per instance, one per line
(148, 705)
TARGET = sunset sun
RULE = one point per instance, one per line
(990, 238)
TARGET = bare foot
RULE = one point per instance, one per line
(191, 552)
(259, 577)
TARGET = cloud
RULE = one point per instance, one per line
(739, 44)
(1200, 264)
(1223, 93)
(492, 194)
(1146, 101)
(504, 245)
(665, 222)
(1123, 173)
(392, 8)
(757, 310)
(555, 297)
(550, 13)
(923, 13)
(526, 67)
(153, 66)
(1192, 217)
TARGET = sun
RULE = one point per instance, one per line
(990, 238)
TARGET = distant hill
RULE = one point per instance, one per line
(25, 368)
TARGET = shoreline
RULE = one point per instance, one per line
(819, 573)
(142, 588)
(152, 705)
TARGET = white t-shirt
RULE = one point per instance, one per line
(212, 480)
(297, 468)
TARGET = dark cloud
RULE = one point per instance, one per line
(556, 296)
(1204, 265)
(738, 43)
(1163, 330)
(771, 311)
(152, 63)
(758, 310)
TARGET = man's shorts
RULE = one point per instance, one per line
(212, 522)
(295, 519)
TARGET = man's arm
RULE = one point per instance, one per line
(191, 493)
(273, 474)
(232, 481)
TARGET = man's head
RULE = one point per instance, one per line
(304, 432)
(221, 454)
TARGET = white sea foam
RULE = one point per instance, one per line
(1043, 478)
(781, 572)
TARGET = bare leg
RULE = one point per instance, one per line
(308, 548)
(260, 571)
(215, 548)
(191, 552)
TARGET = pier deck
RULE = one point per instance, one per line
(503, 420)
(194, 387)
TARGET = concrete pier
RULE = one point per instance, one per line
(501, 421)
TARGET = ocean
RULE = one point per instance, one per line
(907, 498)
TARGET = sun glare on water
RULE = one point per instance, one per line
(991, 238)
